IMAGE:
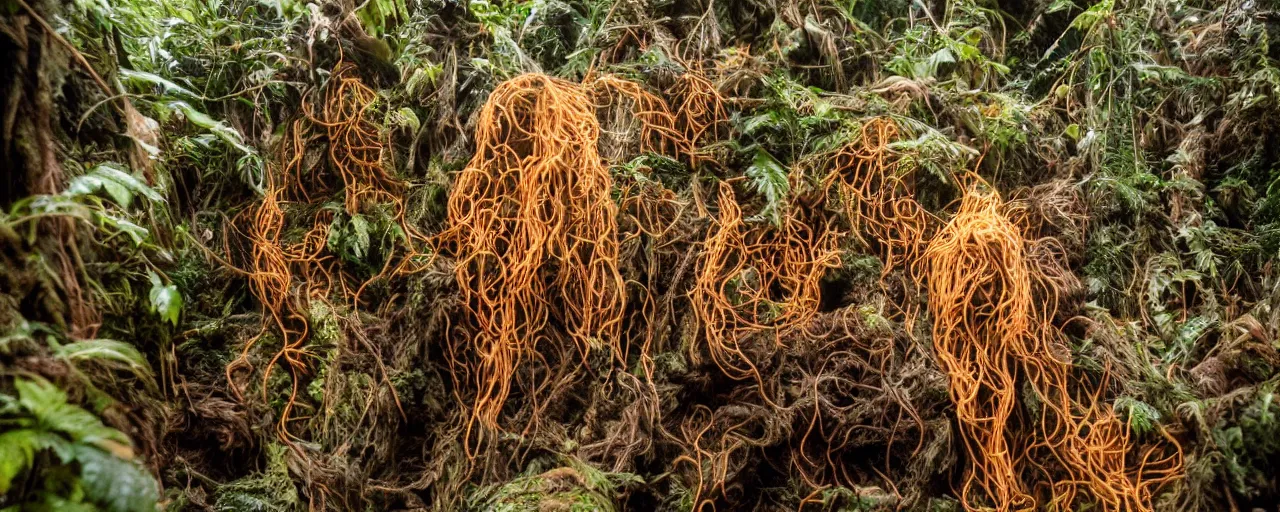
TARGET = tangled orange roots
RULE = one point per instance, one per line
(749, 280)
(355, 151)
(658, 132)
(992, 310)
(699, 111)
(533, 225)
(877, 194)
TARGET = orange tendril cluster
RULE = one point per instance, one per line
(751, 279)
(877, 194)
(699, 112)
(992, 307)
(658, 132)
(355, 152)
(534, 229)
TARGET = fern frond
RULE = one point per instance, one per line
(769, 178)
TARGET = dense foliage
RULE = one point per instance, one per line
(639, 255)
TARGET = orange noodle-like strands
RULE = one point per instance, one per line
(534, 229)
(992, 307)
(751, 279)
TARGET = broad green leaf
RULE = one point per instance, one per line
(166, 300)
(132, 183)
(119, 485)
(90, 184)
(119, 185)
(150, 78)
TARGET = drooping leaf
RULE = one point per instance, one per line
(167, 86)
(218, 128)
(119, 185)
(117, 484)
(929, 67)
(102, 349)
(166, 300)
(135, 232)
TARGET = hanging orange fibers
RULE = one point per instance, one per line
(355, 150)
(755, 278)
(992, 309)
(534, 231)
(877, 193)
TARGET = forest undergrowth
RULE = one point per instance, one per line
(843, 255)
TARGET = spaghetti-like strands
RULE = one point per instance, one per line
(534, 229)
(355, 151)
(992, 308)
(658, 133)
(876, 194)
(699, 112)
(754, 279)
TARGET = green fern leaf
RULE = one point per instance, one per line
(48, 405)
(770, 180)
(18, 449)
(1141, 416)
(117, 484)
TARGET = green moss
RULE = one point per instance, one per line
(268, 491)
(573, 487)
